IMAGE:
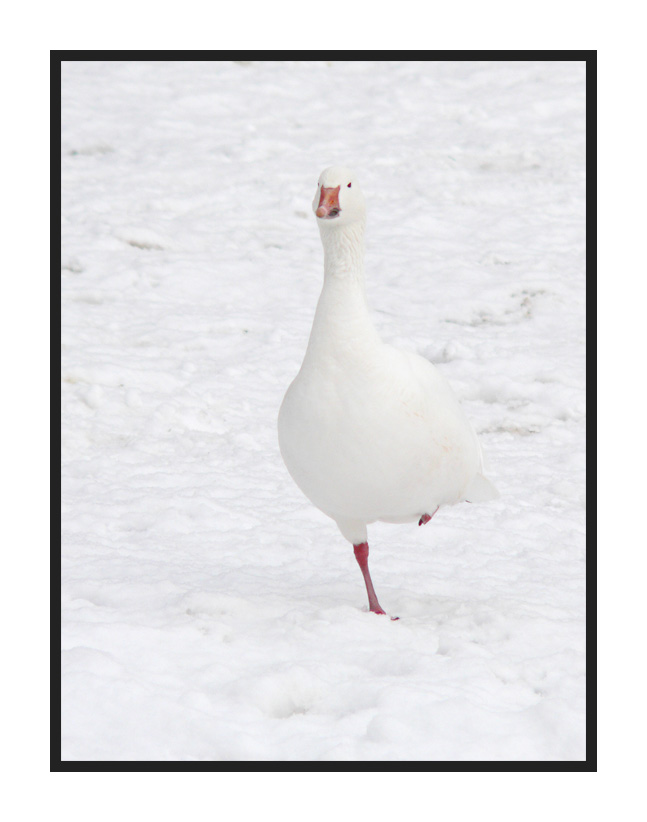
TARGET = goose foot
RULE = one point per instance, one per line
(424, 519)
(380, 611)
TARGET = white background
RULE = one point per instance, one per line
(621, 333)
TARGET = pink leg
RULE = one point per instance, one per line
(424, 519)
(361, 555)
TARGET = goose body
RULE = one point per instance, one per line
(369, 432)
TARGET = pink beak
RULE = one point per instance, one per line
(328, 203)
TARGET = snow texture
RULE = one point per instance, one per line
(210, 612)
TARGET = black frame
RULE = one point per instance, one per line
(56, 763)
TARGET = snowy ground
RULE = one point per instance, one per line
(209, 611)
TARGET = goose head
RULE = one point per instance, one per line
(338, 200)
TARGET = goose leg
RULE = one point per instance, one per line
(361, 555)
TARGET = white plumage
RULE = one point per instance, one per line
(369, 432)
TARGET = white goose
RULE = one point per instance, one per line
(369, 432)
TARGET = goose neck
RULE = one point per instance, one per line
(342, 325)
(344, 252)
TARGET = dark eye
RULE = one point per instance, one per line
(349, 185)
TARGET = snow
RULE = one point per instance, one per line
(210, 613)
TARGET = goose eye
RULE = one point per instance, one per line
(348, 186)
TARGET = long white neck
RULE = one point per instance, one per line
(342, 324)
(343, 252)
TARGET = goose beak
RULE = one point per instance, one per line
(328, 203)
